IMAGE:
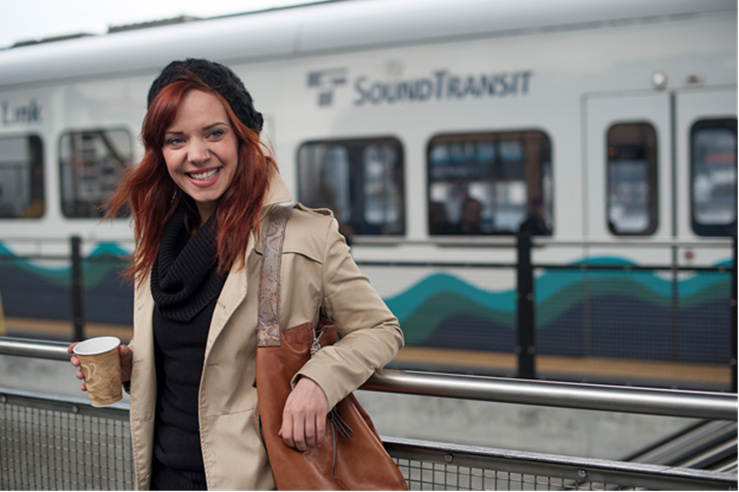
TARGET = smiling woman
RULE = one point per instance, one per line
(152, 187)
(201, 201)
(201, 150)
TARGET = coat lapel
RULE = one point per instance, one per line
(235, 289)
(233, 294)
(144, 391)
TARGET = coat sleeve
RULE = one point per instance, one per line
(370, 335)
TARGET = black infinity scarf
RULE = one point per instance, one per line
(185, 276)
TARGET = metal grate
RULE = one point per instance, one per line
(442, 466)
(58, 443)
(50, 445)
(434, 476)
(422, 475)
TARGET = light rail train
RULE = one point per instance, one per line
(433, 130)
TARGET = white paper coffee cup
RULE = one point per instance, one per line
(101, 366)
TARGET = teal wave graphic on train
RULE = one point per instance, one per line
(629, 314)
(32, 289)
(603, 313)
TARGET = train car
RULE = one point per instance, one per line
(436, 131)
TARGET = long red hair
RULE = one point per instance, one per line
(153, 197)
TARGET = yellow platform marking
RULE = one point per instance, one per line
(582, 366)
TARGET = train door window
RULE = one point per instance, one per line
(21, 178)
(713, 177)
(360, 180)
(491, 183)
(91, 163)
(631, 163)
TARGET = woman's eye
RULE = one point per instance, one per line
(217, 133)
(174, 141)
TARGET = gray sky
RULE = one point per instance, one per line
(22, 20)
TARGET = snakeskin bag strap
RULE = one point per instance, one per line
(268, 333)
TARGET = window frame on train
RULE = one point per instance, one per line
(463, 198)
(698, 166)
(625, 159)
(74, 207)
(367, 183)
(29, 200)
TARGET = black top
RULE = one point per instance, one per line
(185, 285)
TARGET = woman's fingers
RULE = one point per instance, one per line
(76, 363)
(126, 355)
(304, 416)
(320, 430)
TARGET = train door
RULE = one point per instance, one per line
(661, 179)
(627, 173)
(706, 181)
(661, 166)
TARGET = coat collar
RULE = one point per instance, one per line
(276, 193)
(235, 289)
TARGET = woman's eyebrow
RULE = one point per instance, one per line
(219, 123)
(207, 127)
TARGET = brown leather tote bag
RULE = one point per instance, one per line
(352, 456)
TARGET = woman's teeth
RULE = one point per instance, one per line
(203, 176)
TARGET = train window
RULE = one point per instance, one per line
(713, 177)
(21, 178)
(360, 180)
(631, 164)
(491, 183)
(91, 163)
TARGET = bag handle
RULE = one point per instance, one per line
(268, 331)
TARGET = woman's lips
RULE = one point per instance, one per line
(204, 178)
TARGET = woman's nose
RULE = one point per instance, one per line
(198, 152)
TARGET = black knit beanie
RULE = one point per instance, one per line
(216, 76)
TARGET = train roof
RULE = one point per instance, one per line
(325, 27)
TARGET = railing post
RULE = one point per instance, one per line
(525, 329)
(733, 307)
(675, 311)
(78, 290)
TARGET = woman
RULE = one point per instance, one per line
(200, 199)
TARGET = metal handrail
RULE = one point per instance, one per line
(502, 241)
(673, 403)
(626, 399)
(26, 347)
(510, 240)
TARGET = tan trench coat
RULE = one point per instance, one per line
(317, 270)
